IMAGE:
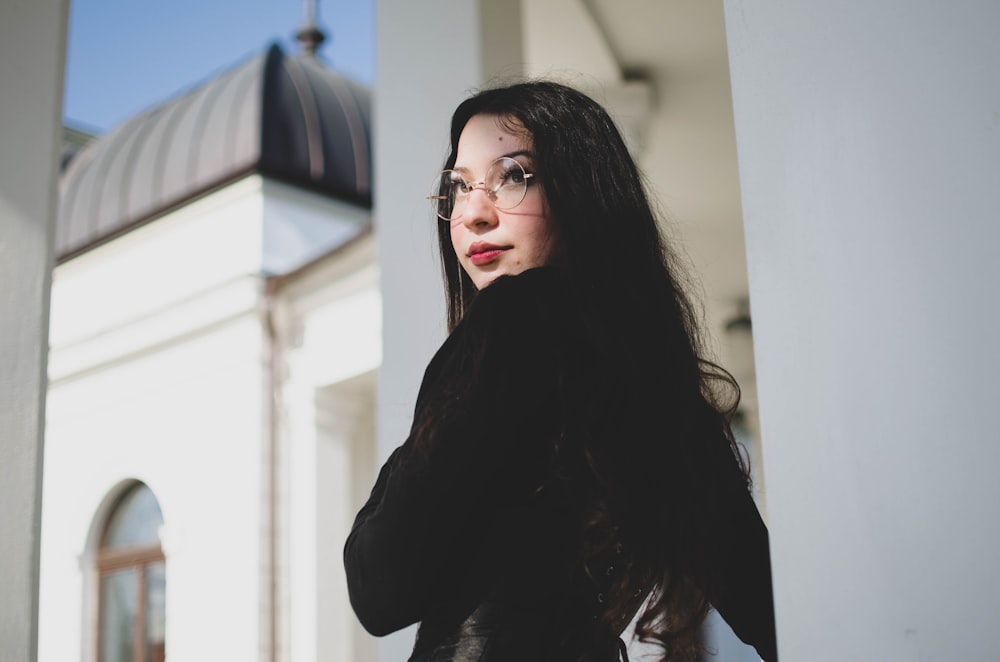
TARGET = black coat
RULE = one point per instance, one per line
(470, 529)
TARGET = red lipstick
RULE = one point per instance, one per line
(481, 252)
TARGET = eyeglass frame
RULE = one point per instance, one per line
(472, 186)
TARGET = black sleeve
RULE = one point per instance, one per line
(494, 376)
(728, 547)
(746, 599)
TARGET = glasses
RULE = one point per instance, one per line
(505, 183)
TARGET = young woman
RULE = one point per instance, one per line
(570, 460)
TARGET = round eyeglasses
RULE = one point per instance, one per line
(505, 183)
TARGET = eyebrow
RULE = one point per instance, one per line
(509, 155)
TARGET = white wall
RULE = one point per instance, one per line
(162, 369)
(32, 53)
(300, 226)
(869, 145)
(329, 324)
(157, 374)
(186, 420)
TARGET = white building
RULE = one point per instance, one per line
(215, 339)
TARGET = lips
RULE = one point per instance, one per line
(481, 252)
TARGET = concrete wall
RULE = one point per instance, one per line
(32, 52)
(869, 146)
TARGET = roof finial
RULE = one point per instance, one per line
(309, 35)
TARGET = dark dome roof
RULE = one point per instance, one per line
(285, 117)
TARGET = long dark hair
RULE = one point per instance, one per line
(645, 458)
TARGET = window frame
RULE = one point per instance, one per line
(135, 557)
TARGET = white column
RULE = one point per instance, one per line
(430, 56)
(869, 146)
(32, 53)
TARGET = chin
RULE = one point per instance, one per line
(484, 280)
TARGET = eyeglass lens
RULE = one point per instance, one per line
(505, 184)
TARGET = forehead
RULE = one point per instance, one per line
(486, 138)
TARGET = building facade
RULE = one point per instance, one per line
(214, 350)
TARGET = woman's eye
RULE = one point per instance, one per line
(513, 176)
(460, 187)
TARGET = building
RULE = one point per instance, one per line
(215, 333)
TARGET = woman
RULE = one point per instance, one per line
(570, 460)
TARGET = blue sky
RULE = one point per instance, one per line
(124, 56)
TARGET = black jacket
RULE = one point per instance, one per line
(468, 529)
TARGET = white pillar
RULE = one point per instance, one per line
(869, 147)
(430, 55)
(32, 53)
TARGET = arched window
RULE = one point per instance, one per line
(132, 581)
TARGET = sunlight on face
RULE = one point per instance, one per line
(491, 242)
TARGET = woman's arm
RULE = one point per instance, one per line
(494, 379)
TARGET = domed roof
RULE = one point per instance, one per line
(285, 117)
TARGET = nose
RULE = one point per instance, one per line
(479, 209)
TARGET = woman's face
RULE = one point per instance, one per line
(491, 242)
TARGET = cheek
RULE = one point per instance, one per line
(456, 240)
